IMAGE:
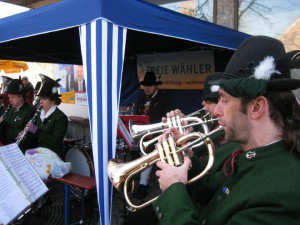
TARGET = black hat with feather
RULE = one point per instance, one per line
(15, 86)
(260, 64)
(211, 92)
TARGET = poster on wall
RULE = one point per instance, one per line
(179, 70)
(73, 89)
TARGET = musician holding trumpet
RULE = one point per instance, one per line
(210, 99)
(222, 148)
(260, 181)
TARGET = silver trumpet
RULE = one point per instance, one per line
(144, 132)
(121, 174)
(137, 131)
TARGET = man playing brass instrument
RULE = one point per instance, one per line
(260, 180)
(210, 100)
(223, 149)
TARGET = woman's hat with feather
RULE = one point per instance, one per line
(260, 64)
(49, 89)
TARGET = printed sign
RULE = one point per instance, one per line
(81, 99)
(180, 70)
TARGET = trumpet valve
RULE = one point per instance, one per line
(172, 144)
(178, 123)
(168, 152)
(161, 152)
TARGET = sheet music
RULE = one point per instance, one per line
(23, 172)
(10, 193)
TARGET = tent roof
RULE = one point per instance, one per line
(50, 33)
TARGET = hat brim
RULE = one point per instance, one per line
(212, 95)
(276, 84)
(225, 76)
(150, 84)
(283, 84)
(49, 96)
(215, 81)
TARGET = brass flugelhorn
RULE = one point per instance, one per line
(121, 174)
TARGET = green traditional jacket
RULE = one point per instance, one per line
(265, 189)
(209, 184)
(14, 123)
(51, 131)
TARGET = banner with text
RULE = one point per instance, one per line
(180, 70)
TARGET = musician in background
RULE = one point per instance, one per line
(17, 116)
(155, 105)
(51, 125)
(260, 180)
(210, 94)
(210, 100)
(209, 103)
(37, 88)
(29, 90)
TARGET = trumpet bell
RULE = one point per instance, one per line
(118, 171)
(116, 175)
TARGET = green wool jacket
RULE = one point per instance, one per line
(265, 189)
(15, 122)
(51, 131)
(209, 184)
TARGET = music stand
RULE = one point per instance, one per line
(123, 126)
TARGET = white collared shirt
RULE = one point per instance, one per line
(45, 115)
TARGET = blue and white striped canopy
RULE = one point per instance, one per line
(103, 57)
(103, 25)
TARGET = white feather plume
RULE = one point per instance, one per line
(214, 88)
(54, 90)
(266, 68)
